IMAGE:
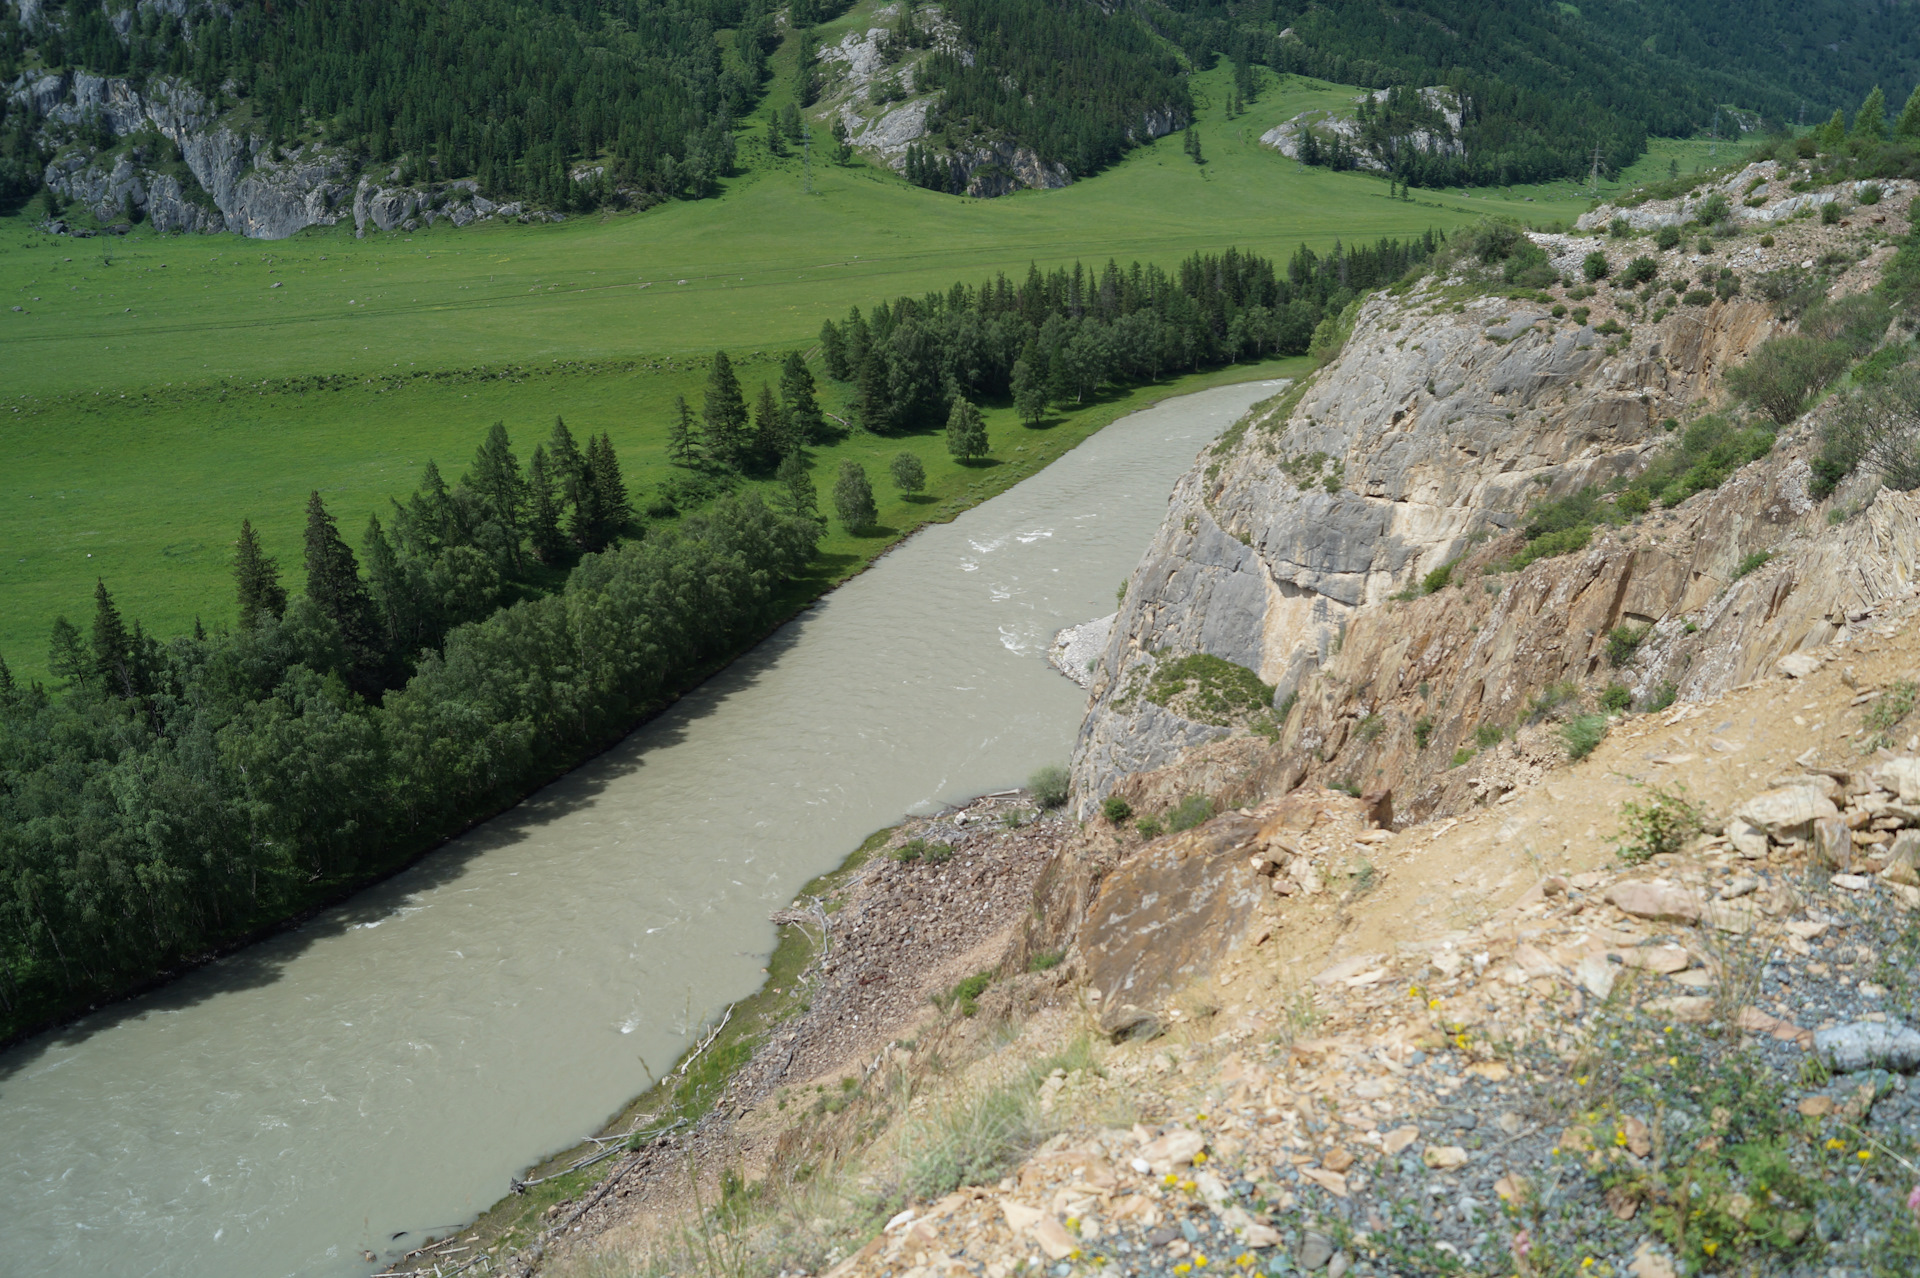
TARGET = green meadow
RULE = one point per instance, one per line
(158, 389)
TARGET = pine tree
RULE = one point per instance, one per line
(872, 397)
(502, 490)
(334, 585)
(725, 413)
(1871, 123)
(256, 579)
(1908, 125)
(569, 469)
(7, 686)
(543, 508)
(611, 505)
(1834, 132)
(776, 138)
(772, 436)
(833, 351)
(909, 476)
(804, 419)
(112, 647)
(387, 583)
(67, 656)
(797, 493)
(683, 437)
(966, 431)
(853, 497)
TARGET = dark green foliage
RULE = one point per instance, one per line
(1595, 266)
(247, 769)
(1195, 809)
(1623, 641)
(805, 422)
(1616, 698)
(544, 535)
(1116, 809)
(1751, 562)
(1880, 427)
(1422, 731)
(797, 495)
(1701, 458)
(853, 497)
(334, 586)
(683, 436)
(909, 476)
(1049, 786)
(1667, 237)
(1664, 694)
(1488, 735)
(256, 580)
(725, 414)
(1439, 579)
(964, 997)
(1641, 270)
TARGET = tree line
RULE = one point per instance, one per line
(1060, 337)
(168, 797)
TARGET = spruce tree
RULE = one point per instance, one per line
(1908, 125)
(804, 419)
(857, 337)
(683, 437)
(334, 585)
(872, 397)
(797, 493)
(725, 413)
(772, 434)
(112, 646)
(833, 351)
(966, 431)
(67, 655)
(1871, 123)
(496, 481)
(610, 502)
(387, 582)
(543, 508)
(7, 685)
(256, 580)
(853, 497)
(1834, 132)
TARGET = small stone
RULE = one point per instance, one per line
(1688, 1009)
(1595, 975)
(1869, 1044)
(1797, 665)
(1260, 1236)
(1656, 899)
(1337, 1159)
(1738, 887)
(1664, 959)
(1851, 882)
(1903, 859)
(1815, 1106)
(1649, 1263)
(1175, 1149)
(1398, 1139)
(1337, 1267)
(1316, 1249)
(1748, 839)
(1443, 1157)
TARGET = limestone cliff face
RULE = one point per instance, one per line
(1434, 426)
(1291, 546)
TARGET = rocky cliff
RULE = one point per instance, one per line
(1300, 546)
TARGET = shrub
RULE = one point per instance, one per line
(1046, 962)
(1751, 562)
(1766, 241)
(1488, 735)
(1700, 460)
(1616, 698)
(1493, 240)
(1697, 297)
(1619, 229)
(1623, 641)
(1664, 694)
(1870, 193)
(1595, 266)
(965, 995)
(1149, 828)
(972, 1142)
(1528, 266)
(1439, 579)
(1551, 698)
(1583, 735)
(1830, 212)
(1462, 755)
(1878, 427)
(1640, 270)
(1049, 785)
(1667, 237)
(1116, 809)
(1704, 246)
(1422, 731)
(1661, 825)
(1785, 372)
(1712, 210)
(1193, 810)
(1209, 689)
(910, 851)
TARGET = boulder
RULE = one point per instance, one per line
(1797, 665)
(1902, 776)
(1903, 859)
(1656, 899)
(1869, 1045)
(1833, 843)
(1167, 916)
(1748, 839)
(1787, 812)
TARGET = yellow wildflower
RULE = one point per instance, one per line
(1433, 1004)
(1200, 1158)
(1709, 1246)
(1244, 1259)
(1587, 1263)
(1200, 1261)
(1865, 1154)
(1834, 1142)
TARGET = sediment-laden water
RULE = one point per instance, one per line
(381, 1072)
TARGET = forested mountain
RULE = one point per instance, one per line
(1543, 82)
(577, 103)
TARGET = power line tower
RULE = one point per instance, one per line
(1593, 175)
(1713, 151)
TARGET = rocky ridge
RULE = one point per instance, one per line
(1327, 126)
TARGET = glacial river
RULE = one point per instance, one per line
(380, 1073)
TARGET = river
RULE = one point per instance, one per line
(379, 1073)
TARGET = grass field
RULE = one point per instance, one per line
(152, 396)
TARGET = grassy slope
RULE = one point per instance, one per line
(139, 431)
